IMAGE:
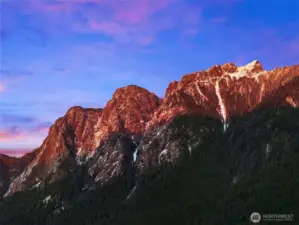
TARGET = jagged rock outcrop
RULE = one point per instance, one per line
(113, 159)
(128, 111)
(227, 90)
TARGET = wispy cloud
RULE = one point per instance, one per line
(12, 118)
(10, 77)
(6, 73)
(124, 21)
(42, 127)
(20, 137)
(10, 134)
(2, 87)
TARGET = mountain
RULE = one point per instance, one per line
(227, 90)
(81, 131)
(216, 148)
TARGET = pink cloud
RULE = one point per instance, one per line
(125, 21)
(42, 128)
(54, 7)
(108, 27)
(9, 79)
(15, 133)
(122, 32)
(130, 21)
(136, 11)
(11, 135)
(17, 138)
(2, 87)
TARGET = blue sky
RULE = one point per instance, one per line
(56, 54)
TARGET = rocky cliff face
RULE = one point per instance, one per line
(137, 140)
(227, 90)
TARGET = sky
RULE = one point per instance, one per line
(60, 53)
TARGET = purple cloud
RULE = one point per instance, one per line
(124, 21)
(11, 118)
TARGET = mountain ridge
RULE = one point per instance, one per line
(223, 91)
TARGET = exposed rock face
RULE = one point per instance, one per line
(227, 90)
(171, 144)
(83, 123)
(128, 112)
(113, 159)
(285, 95)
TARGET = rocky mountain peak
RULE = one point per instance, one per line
(130, 90)
(224, 91)
(253, 67)
(128, 111)
(229, 67)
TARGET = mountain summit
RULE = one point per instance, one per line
(227, 90)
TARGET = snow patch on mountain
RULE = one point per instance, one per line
(131, 192)
(221, 102)
(248, 67)
(248, 71)
(291, 101)
(201, 93)
(135, 154)
(47, 200)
